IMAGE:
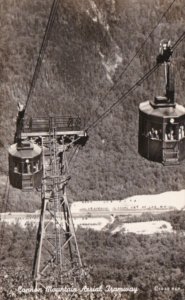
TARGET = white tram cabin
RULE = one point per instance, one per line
(25, 165)
(162, 131)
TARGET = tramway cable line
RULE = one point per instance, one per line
(114, 86)
(38, 159)
(129, 63)
(132, 88)
(42, 49)
(138, 83)
(44, 45)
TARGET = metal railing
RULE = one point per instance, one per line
(57, 122)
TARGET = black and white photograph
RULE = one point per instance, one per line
(92, 143)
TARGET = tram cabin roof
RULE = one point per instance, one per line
(162, 112)
(30, 151)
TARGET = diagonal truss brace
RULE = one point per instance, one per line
(57, 260)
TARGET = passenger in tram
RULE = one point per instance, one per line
(151, 133)
(165, 51)
(15, 169)
(154, 134)
(38, 141)
(181, 132)
(170, 135)
(36, 167)
(27, 166)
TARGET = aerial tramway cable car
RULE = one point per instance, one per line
(25, 155)
(25, 159)
(25, 165)
(161, 132)
(162, 121)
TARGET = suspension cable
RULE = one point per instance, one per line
(179, 40)
(42, 49)
(136, 53)
(138, 83)
(123, 96)
(74, 155)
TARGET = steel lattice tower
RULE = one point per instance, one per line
(57, 260)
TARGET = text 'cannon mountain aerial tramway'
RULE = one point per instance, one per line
(39, 159)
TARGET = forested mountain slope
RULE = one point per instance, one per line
(90, 45)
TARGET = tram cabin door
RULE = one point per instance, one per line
(171, 143)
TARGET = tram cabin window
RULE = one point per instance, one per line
(27, 167)
(144, 127)
(36, 166)
(171, 133)
(155, 132)
(16, 170)
(17, 167)
(181, 132)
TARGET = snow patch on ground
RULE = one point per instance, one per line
(172, 200)
(97, 15)
(144, 227)
(93, 223)
(98, 214)
(23, 219)
(111, 63)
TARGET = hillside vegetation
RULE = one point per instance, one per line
(90, 45)
(119, 260)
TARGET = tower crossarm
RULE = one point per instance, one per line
(64, 126)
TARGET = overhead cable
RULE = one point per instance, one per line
(42, 49)
(138, 83)
(136, 53)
